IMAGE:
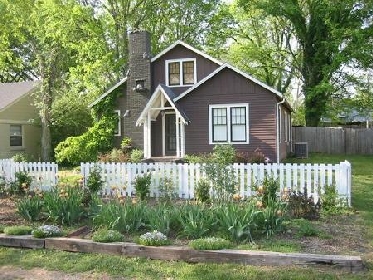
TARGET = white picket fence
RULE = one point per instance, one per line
(44, 174)
(294, 177)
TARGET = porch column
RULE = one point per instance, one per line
(182, 139)
(149, 135)
(177, 121)
(145, 138)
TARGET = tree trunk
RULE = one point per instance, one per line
(45, 121)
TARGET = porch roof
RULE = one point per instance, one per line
(155, 104)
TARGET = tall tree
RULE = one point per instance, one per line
(331, 34)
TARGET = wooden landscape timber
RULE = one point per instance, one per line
(183, 253)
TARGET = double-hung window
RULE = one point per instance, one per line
(16, 136)
(229, 123)
(181, 72)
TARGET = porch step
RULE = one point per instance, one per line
(163, 159)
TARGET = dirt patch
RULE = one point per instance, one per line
(12, 273)
(8, 215)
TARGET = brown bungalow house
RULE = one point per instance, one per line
(183, 101)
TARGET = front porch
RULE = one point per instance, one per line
(164, 126)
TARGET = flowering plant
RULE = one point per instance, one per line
(47, 231)
(153, 238)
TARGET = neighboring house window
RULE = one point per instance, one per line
(117, 130)
(181, 72)
(229, 123)
(16, 135)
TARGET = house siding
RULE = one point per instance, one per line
(20, 113)
(204, 66)
(228, 87)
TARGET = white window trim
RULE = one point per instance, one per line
(119, 123)
(181, 71)
(22, 137)
(229, 124)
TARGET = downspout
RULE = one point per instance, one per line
(278, 129)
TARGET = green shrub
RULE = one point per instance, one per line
(153, 238)
(21, 157)
(17, 230)
(126, 143)
(22, 183)
(64, 205)
(330, 202)
(160, 217)
(166, 189)
(2, 227)
(30, 208)
(47, 231)
(224, 154)
(136, 155)
(197, 158)
(107, 236)
(268, 190)
(202, 190)
(115, 155)
(85, 148)
(94, 181)
(142, 185)
(210, 243)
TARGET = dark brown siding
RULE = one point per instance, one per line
(225, 88)
(204, 66)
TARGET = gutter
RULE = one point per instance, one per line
(278, 130)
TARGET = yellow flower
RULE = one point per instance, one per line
(279, 213)
(260, 189)
(237, 196)
(259, 204)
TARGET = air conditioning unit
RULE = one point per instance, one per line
(301, 149)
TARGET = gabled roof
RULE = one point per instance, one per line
(169, 95)
(188, 47)
(228, 66)
(10, 93)
(110, 90)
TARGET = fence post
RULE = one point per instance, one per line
(344, 188)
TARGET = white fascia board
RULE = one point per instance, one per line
(188, 47)
(110, 90)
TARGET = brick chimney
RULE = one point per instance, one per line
(138, 83)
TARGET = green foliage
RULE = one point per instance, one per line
(2, 227)
(166, 189)
(17, 230)
(85, 148)
(21, 157)
(107, 235)
(115, 155)
(223, 154)
(126, 143)
(202, 190)
(161, 217)
(154, 238)
(196, 221)
(94, 181)
(210, 243)
(236, 221)
(45, 231)
(136, 155)
(64, 205)
(306, 228)
(30, 208)
(197, 158)
(142, 185)
(22, 183)
(268, 190)
(271, 217)
(128, 217)
(330, 202)
(302, 206)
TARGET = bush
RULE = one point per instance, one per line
(142, 186)
(223, 154)
(85, 148)
(154, 238)
(17, 230)
(330, 202)
(137, 155)
(114, 155)
(2, 227)
(166, 189)
(22, 183)
(47, 231)
(21, 157)
(202, 191)
(94, 181)
(210, 243)
(30, 208)
(302, 206)
(306, 228)
(107, 236)
(268, 190)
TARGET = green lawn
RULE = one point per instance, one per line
(139, 268)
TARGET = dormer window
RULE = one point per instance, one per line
(181, 72)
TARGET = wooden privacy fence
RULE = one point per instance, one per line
(335, 140)
(294, 177)
(44, 174)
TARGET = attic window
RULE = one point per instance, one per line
(181, 72)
